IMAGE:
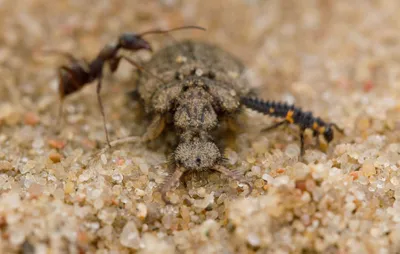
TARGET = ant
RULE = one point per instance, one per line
(79, 72)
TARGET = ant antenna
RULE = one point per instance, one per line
(160, 31)
(167, 32)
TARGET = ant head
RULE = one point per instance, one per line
(328, 133)
(131, 41)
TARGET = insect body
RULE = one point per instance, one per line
(292, 115)
(202, 85)
(79, 73)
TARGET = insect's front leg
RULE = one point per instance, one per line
(154, 130)
(170, 183)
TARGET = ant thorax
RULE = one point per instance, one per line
(109, 51)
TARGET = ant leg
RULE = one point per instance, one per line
(114, 63)
(274, 126)
(61, 92)
(131, 61)
(234, 175)
(171, 182)
(102, 110)
(140, 67)
(61, 89)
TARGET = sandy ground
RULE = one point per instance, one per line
(340, 59)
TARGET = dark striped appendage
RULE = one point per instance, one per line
(292, 115)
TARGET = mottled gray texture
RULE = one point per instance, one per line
(336, 58)
(194, 85)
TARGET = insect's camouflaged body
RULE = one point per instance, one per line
(196, 85)
(201, 84)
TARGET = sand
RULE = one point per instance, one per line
(339, 59)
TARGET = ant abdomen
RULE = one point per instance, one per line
(72, 80)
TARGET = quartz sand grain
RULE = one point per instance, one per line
(339, 59)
